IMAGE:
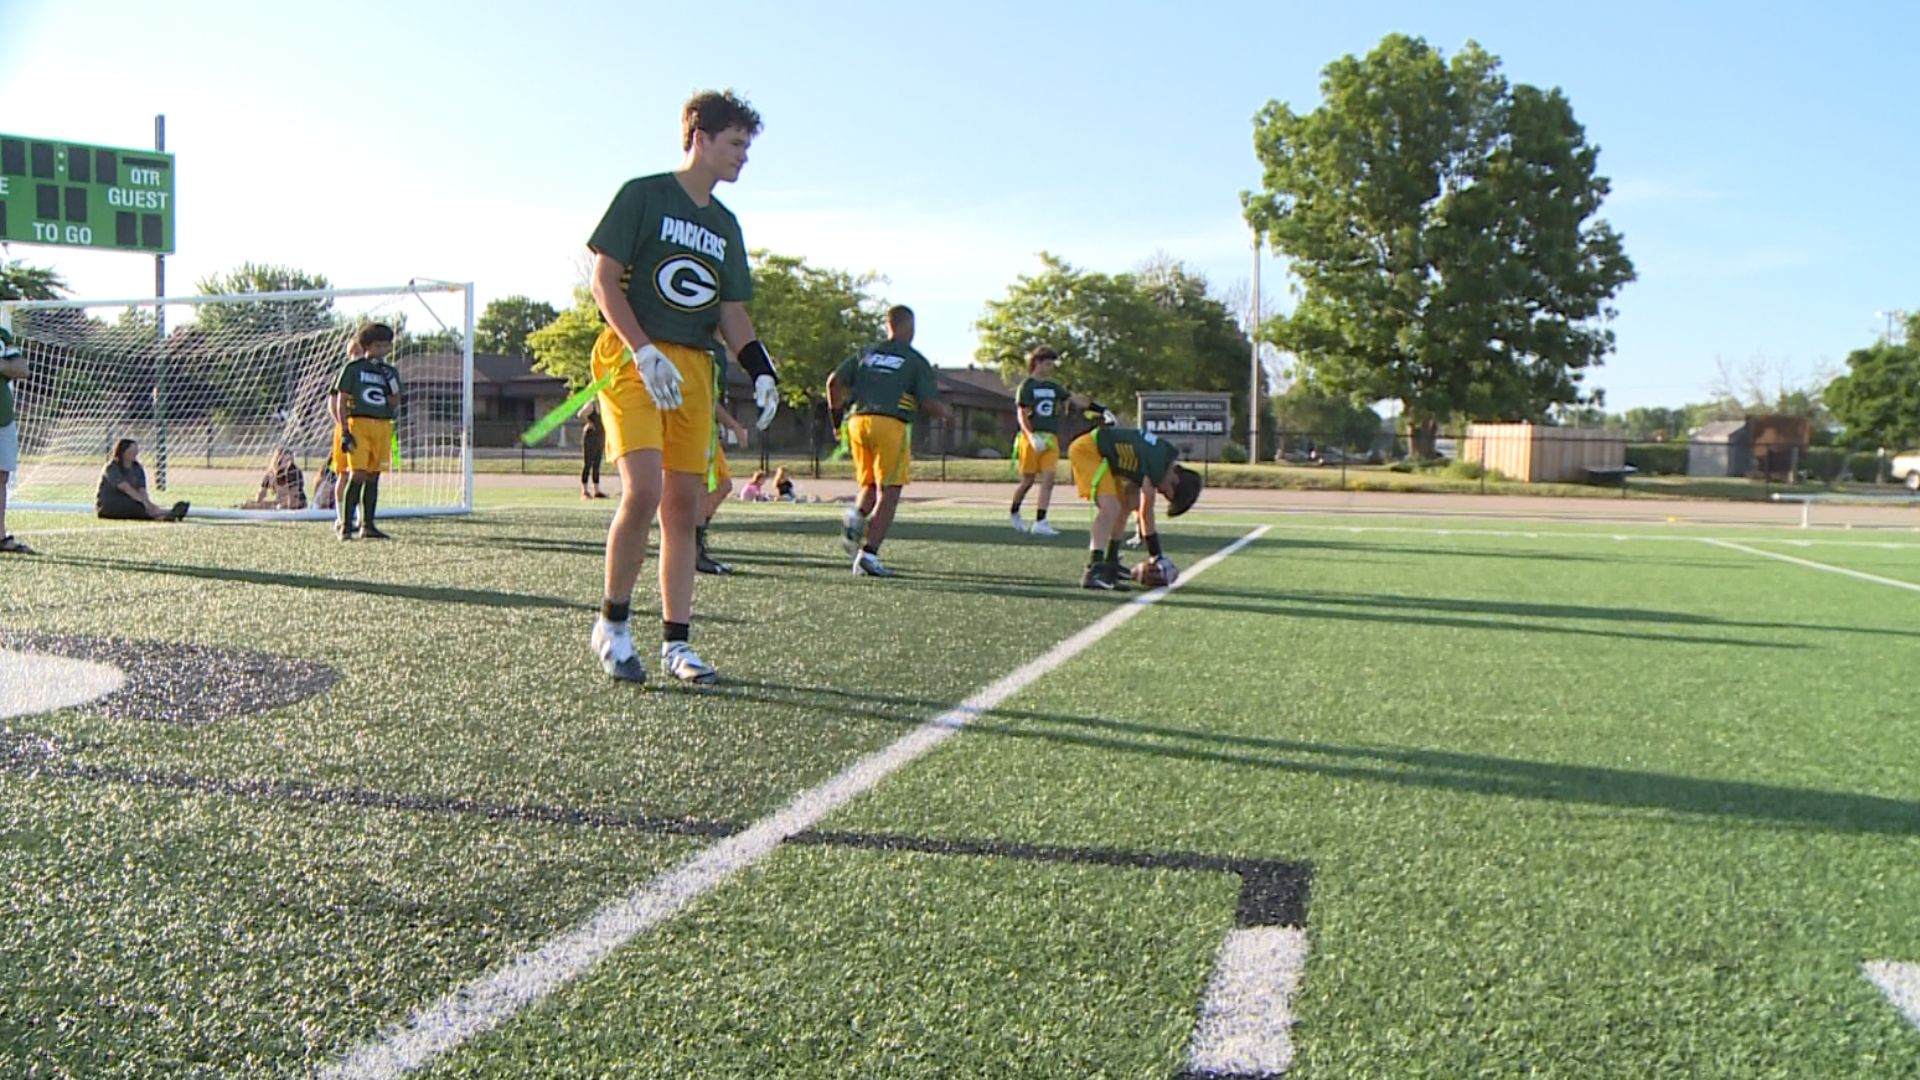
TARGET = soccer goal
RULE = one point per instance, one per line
(214, 388)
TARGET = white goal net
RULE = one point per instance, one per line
(215, 388)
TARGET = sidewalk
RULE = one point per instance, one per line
(1600, 509)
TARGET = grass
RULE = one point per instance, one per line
(1574, 805)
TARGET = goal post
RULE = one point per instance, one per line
(236, 381)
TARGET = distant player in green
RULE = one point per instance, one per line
(1114, 465)
(880, 391)
(365, 404)
(670, 268)
(13, 365)
(1039, 402)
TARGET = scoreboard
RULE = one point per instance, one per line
(55, 192)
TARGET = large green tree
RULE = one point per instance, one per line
(1158, 328)
(1877, 401)
(564, 347)
(1307, 413)
(811, 318)
(1442, 223)
(502, 329)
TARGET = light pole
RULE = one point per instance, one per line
(1253, 381)
(1890, 316)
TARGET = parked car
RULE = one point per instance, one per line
(1906, 469)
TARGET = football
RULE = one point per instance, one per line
(1149, 572)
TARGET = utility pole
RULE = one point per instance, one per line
(1253, 381)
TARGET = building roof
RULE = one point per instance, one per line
(1720, 431)
(975, 386)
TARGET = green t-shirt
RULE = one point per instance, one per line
(1135, 454)
(889, 379)
(373, 387)
(681, 259)
(1046, 399)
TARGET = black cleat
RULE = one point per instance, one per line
(1095, 578)
(368, 532)
(707, 564)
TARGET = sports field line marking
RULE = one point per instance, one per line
(1811, 565)
(1899, 982)
(1246, 1021)
(524, 980)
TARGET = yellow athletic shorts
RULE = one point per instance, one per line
(881, 456)
(722, 475)
(1084, 455)
(372, 446)
(1038, 461)
(684, 435)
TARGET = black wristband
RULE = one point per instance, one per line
(1153, 544)
(755, 359)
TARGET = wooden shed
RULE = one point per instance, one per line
(1537, 454)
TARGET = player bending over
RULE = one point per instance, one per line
(1113, 466)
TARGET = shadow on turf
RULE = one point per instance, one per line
(430, 593)
(1473, 774)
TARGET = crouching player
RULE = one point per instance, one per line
(1114, 466)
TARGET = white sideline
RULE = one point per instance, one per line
(1811, 565)
(1246, 1021)
(1900, 982)
(491, 999)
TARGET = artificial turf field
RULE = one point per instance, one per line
(1546, 801)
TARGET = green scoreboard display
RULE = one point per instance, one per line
(54, 192)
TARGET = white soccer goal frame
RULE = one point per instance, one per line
(420, 287)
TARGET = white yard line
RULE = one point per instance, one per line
(1811, 565)
(1901, 984)
(524, 980)
(1246, 1021)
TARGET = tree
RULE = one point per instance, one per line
(282, 317)
(811, 318)
(564, 347)
(1441, 222)
(1878, 400)
(18, 281)
(251, 355)
(1117, 334)
(1306, 412)
(503, 328)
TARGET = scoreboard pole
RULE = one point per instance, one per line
(160, 330)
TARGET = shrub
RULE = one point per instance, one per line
(1233, 453)
(1658, 459)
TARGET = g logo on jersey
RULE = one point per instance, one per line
(1043, 407)
(686, 283)
(374, 395)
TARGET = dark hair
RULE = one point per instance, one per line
(373, 334)
(714, 111)
(1039, 354)
(120, 448)
(1186, 489)
(899, 315)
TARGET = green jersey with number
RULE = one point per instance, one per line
(889, 379)
(682, 259)
(1133, 454)
(372, 387)
(1045, 400)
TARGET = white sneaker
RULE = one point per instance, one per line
(1134, 541)
(684, 664)
(853, 529)
(867, 564)
(1043, 528)
(1018, 525)
(613, 644)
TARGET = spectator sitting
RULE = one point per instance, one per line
(123, 489)
(756, 489)
(325, 488)
(282, 488)
(782, 485)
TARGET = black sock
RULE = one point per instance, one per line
(700, 538)
(1093, 557)
(1113, 551)
(1040, 515)
(1016, 505)
(354, 489)
(370, 499)
(871, 549)
(613, 612)
(673, 631)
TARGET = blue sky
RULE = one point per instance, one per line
(1763, 171)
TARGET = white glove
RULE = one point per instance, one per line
(1037, 440)
(1169, 573)
(659, 376)
(1112, 420)
(766, 395)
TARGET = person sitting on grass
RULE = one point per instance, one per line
(282, 488)
(756, 489)
(123, 489)
(783, 485)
